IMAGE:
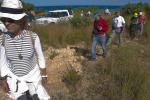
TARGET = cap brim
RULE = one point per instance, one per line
(12, 16)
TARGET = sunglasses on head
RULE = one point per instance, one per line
(4, 20)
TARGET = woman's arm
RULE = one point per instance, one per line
(39, 52)
(41, 60)
(3, 70)
(3, 62)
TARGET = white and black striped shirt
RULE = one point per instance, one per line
(23, 45)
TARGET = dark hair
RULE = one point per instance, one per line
(23, 22)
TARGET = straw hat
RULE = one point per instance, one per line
(12, 9)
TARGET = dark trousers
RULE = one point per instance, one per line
(27, 96)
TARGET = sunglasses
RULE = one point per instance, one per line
(4, 20)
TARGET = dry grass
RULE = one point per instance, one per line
(60, 35)
(121, 76)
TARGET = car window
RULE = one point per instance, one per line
(70, 12)
(56, 14)
(63, 14)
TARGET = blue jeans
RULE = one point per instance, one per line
(98, 39)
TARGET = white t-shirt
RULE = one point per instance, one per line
(118, 21)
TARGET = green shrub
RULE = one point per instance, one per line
(71, 77)
(79, 22)
(130, 9)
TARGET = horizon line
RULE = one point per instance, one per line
(77, 5)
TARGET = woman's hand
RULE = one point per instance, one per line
(44, 76)
(44, 80)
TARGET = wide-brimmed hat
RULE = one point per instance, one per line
(12, 9)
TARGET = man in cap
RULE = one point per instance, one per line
(100, 28)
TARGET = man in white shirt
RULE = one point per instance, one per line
(118, 24)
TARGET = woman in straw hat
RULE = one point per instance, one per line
(22, 62)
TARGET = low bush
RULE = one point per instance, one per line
(79, 22)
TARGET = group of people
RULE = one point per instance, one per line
(136, 25)
(22, 64)
(100, 29)
(83, 14)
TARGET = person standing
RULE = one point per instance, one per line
(100, 28)
(134, 26)
(23, 69)
(118, 24)
(141, 22)
(82, 14)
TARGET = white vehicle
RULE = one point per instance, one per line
(55, 16)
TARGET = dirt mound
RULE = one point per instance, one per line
(58, 62)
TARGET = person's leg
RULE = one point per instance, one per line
(112, 35)
(22, 97)
(119, 34)
(132, 32)
(35, 97)
(119, 38)
(103, 44)
(31, 94)
(94, 43)
(141, 29)
(29, 97)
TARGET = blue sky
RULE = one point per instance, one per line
(81, 2)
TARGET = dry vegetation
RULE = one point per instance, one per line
(122, 75)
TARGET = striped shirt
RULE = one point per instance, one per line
(23, 45)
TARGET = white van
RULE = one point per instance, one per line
(55, 16)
